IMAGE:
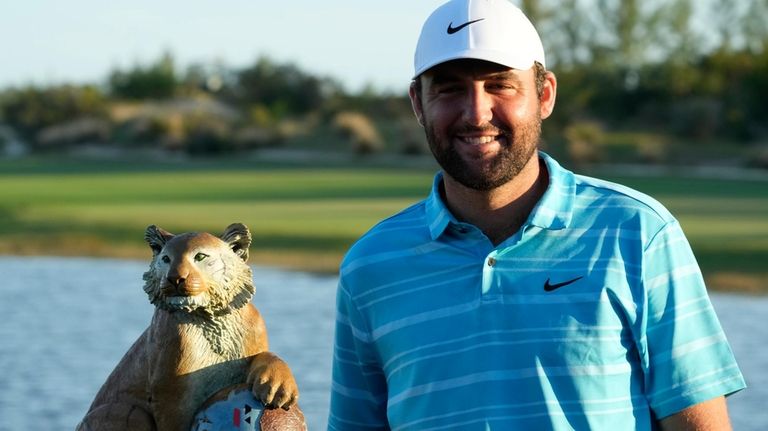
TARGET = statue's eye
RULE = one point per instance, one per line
(199, 257)
(166, 259)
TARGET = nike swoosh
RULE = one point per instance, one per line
(452, 29)
(550, 287)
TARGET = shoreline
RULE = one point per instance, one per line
(326, 264)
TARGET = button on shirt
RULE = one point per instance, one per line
(594, 315)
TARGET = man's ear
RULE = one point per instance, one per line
(548, 95)
(415, 95)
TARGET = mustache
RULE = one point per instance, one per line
(485, 128)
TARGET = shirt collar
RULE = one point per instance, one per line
(555, 208)
(553, 211)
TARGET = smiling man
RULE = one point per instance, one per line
(519, 295)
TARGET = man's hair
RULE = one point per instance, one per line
(540, 76)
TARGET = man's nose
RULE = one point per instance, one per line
(478, 107)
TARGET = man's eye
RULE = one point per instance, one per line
(199, 257)
(500, 86)
(448, 89)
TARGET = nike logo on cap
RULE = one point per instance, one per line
(452, 29)
(550, 287)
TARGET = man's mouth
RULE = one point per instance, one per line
(479, 140)
(480, 146)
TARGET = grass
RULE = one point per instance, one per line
(305, 218)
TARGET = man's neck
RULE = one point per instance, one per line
(499, 213)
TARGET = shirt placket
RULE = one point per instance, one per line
(491, 287)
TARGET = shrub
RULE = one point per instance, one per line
(32, 109)
(360, 131)
(78, 131)
(758, 157)
(583, 142)
(203, 136)
(413, 141)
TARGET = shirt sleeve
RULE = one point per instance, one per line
(687, 358)
(358, 386)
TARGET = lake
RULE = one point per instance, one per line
(66, 322)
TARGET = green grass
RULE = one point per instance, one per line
(299, 217)
(306, 217)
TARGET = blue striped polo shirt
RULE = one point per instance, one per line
(594, 315)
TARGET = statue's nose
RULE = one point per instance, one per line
(176, 280)
(177, 277)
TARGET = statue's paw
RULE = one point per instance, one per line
(272, 381)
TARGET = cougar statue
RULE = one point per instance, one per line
(205, 336)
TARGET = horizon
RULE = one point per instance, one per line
(46, 43)
(361, 45)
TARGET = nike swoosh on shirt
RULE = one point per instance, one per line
(550, 287)
(452, 29)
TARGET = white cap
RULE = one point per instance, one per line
(491, 30)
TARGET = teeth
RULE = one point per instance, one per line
(478, 140)
(186, 301)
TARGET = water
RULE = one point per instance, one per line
(67, 322)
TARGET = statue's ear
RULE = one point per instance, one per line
(156, 238)
(238, 237)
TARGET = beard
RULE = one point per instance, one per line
(517, 147)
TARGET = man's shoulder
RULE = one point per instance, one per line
(401, 231)
(591, 201)
(616, 199)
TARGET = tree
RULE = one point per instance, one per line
(31, 109)
(157, 81)
(755, 26)
(283, 88)
(211, 77)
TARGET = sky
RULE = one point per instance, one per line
(357, 42)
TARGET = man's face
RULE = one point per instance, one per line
(482, 120)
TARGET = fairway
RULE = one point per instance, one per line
(300, 218)
(305, 218)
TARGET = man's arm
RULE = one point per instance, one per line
(705, 416)
(358, 385)
(690, 366)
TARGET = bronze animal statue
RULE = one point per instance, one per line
(205, 335)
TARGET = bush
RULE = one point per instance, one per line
(32, 109)
(413, 141)
(360, 131)
(758, 157)
(78, 131)
(203, 136)
(583, 142)
(253, 137)
(142, 131)
(696, 117)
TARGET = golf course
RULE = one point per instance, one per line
(304, 217)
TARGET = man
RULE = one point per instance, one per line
(519, 295)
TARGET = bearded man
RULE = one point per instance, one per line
(519, 295)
